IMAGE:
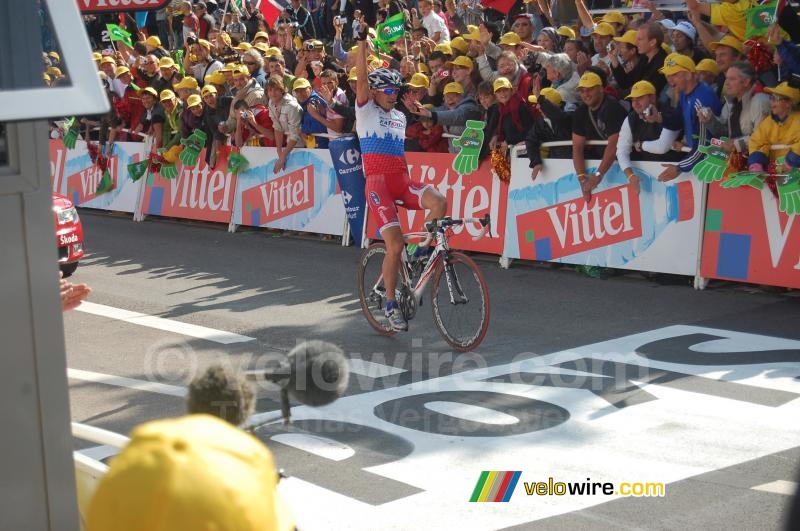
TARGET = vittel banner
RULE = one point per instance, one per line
(748, 239)
(301, 197)
(75, 175)
(468, 196)
(202, 193)
(656, 229)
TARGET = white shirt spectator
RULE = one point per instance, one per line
(435, 24)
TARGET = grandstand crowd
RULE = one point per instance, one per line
(655, 84)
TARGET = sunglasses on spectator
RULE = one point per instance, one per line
(390, 91)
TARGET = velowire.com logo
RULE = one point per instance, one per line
(495, 486)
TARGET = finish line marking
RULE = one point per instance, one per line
(160, 323)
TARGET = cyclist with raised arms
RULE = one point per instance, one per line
(381, 130)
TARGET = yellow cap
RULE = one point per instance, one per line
(208, 89)
(243, 46)
(230, 67)
(241, 70)
(675, 63)
(301, 83)
(261, 35)
(108, 60)
(121, 70)
(628, 37)
(566, 31)
(54, 71)
(462, 60)
(262, 47)
(153, 41)
(551, 95)
(97, 56)
(217, 78)
(46, 78)
(166, 94)
(730, 41)
(454, 88)
(193, 101)
(510, 39)
(641, 88)
(473, 34)
(614, 17)
(190, 473)
(204, 43)
(149, 90)
(786, 91)
(708, 65)
(225, 38)
(459, 44)
(589, 80)
(443, 47)
(273, 51)
(419, 81)
(166, 62)
(55, 56)
(352, 76)
(188, 83)
(605, 29)
(423, 68)
(502, 83)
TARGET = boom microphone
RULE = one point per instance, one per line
(319, 373)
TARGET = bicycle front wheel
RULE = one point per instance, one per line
(460, 302)
(371, 290)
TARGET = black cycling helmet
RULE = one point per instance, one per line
(383, 78)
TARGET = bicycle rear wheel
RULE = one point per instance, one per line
(462, 323)
(371, 291)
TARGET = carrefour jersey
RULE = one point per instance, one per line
(382, 135)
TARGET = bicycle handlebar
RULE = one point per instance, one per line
(446, 222)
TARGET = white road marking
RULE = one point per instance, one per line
(128, 383)
(780, 486)
(372, 369)
(471, 412)
(160, 323)
(321, 446)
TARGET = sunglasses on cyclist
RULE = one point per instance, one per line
(390, 91)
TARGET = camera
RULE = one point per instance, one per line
(191, 39)
(340, 20)
(649, 111)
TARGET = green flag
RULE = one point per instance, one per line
(758, 19)
(390, 30)
(116, 33)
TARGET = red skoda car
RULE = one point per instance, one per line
(69, 234)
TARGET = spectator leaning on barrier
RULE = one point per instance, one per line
(187, 474)
(329, 91)
(648, 131)
(246, 89)
(599, 117)
(694, 94)
(253, 125)
(152, 119)
(515, 115)
(782, 126)
(461, 70)
(307, 97)
(553, 124)
(491, 112)
(424, 135)
(173, 109)
(286, 115)
(454, 114)
(744, 108)
(193, 115)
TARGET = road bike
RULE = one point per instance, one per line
(460, 304)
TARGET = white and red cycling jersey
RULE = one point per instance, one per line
(382, 137)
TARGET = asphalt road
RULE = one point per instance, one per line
(623, 379)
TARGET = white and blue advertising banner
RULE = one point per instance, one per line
(346, 158)
(657, 229)
(302, 197)
(77, 176)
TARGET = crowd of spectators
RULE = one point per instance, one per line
(654, 84)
